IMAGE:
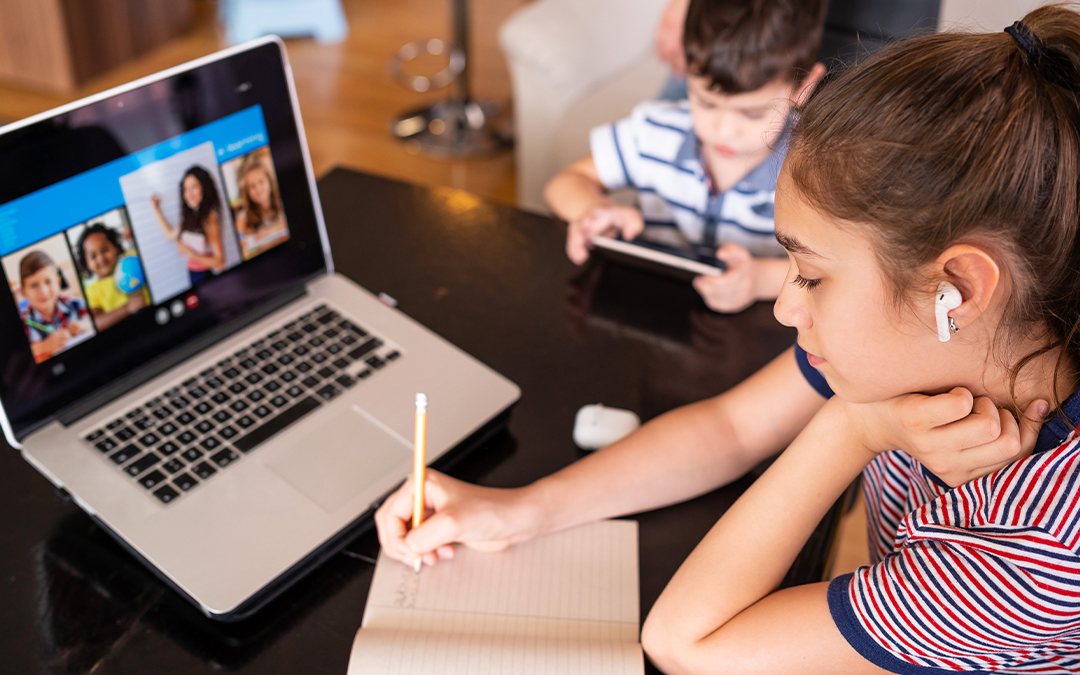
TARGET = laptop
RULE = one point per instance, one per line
(179, 355)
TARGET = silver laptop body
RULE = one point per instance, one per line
(229, 538)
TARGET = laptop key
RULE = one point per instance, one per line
(196, 392)
(227, 432)
(309, 328)
(341, 363)
(231, 373)
(272, 386)
(150, 439)
(114, 424)
(106, 445)
(265, 354)
(203, 470)
(206, 373)
(204, 427)
(328, 317)
(237, 387)
(279, 401)
(225, 458)
(239, 405)
(204, 408)
(280, 345)
(124, 454)
(256, 396)
(285, 359)
(328, 392)
(375, 362)
(166, 494)
(172, 392)
(318, 358)
(254, 438)
(334, 349)
(254, 378)
(179, 402)
(316, 341)
(168, 429)
(245, 421)
(191, 454)
(185, 482)
(222, 416)
(294, 391)
(142, 464)
(304, 367)
(301, 350)
(213, 382)
(287, 376)
(163, 412)
(220, 397)
(295, 337)
(144, 423)
(361, 351)
(310, 382)
(331, 333)
(168, 448)
(185, 418)
(186, 438)
(345, 381)
(152, 479)
(154, 402)
(348, 340)
(124, 433)
(393, 355)
(248, 363)
(364, 374)
(262, 411)
(210, 443)
(173, 465)
(189, 382)
(326, 372)
(132, 414)
(270, 368)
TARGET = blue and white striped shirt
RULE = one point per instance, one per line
(656, 152)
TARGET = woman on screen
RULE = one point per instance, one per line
(261, 220)
(198, 238)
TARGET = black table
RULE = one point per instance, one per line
(492, 279)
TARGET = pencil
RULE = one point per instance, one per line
(45, 329)
(419, 464)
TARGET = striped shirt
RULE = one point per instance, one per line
(984, 577)
(656, 152)
(38, 327)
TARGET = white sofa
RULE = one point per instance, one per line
(575, 64)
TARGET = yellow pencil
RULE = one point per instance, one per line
(419, 464)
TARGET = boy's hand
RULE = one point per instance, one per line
(56, 340)
(73, 329)
(737, 288)
(608, 220)
(486, 519)
(669, 36)
(956, 436)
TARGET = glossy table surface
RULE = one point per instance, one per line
(490, 278)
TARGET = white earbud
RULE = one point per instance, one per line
(947, 298)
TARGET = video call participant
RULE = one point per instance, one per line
(99, 252)
(51, 319)
(261, 220)
(198, 237)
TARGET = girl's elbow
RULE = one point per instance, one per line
(663, 648)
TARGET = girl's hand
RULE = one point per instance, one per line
(486, 519)
(956, 436)
(735, 289)
(608, 220)
(184, 249)
(156, 201)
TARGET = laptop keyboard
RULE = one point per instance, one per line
(182, 437)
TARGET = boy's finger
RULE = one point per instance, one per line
(1031, 425)
(946, 408)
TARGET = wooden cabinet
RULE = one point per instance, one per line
(60, 44)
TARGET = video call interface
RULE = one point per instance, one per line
(141, 233)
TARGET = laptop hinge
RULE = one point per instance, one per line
(175, 356)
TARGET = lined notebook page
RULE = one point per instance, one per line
(567, 603)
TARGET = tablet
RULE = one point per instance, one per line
(671, 261)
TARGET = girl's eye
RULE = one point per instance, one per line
(803, 282)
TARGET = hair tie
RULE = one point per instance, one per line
(1028, 40)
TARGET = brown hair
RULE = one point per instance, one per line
(254, 212)
(961, 138)
(742, 45)
(32, 263)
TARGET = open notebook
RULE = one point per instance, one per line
(559, 605)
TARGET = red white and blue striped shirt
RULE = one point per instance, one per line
(984, 577)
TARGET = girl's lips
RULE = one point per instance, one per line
(814, 361)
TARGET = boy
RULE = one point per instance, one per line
(705, 169)
(51, 320)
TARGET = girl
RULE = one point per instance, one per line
(945, 158)
(99, 252)
(198, 238)
(261, 221)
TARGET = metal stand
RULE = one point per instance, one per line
(459, 127)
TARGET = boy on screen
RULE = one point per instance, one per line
(51, 319)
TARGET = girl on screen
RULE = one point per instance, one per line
(198, 238)
(100, 254)
(261, 220)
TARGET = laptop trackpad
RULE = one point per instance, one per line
(340, 458)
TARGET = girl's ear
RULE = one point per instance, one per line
(976, 274)
(806, 87)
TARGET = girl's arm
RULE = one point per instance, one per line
(721, 607)
(171, 233)
(212, 231)
(241, 223)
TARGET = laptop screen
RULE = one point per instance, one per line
(131, 224)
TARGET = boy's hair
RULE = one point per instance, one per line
(96, 228)
(32, 263)
(742, 45)
(961, 138)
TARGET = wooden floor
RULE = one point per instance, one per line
(347, 96)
